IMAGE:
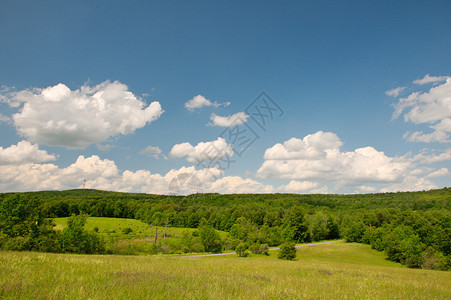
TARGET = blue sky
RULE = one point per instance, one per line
(87, 86)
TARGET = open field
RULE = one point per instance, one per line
(138, 241)
(336, 270)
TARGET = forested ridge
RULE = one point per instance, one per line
(413, 228)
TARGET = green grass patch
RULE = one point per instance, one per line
(139, 240)
(329, 271)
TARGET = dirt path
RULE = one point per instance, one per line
(271, 249)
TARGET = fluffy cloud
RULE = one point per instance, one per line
(428, 156)
(203, 151)
(313, 146)
(151, 151)
(30, 177)
(103, 174)
(229, 121)
(143, 181)
(237, 185)
(409, 183)
(187, 180)
(57, 116)
(91, 167)
(24, 152)
(365, 189)
(439, 173)
(200, 101)
(432, 108)
(317, 159)
(430, 79)
(298, 186)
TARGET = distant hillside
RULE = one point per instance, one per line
(413, 228)
(422, 200)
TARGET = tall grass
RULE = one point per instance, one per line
(329, 271)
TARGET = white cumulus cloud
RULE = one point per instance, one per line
(409, 183)
(312, 146)
(203, 151)
(200, 101)
(228, 121)
(317, 159)
(238, 185)
(430, 79)
(151, 151)
(298, 186)
(97, 173)
(427, 156)
(58, 116)
(432, 108)
(24, 152)
(438, 173)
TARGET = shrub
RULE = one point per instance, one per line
(433, 260)
(264, 248)
(18, 243)
(230, 243)
(241, 250)
(259, 249)
(287, 251)
(255, 248)
(197, 248)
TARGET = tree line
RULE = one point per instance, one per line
(412, 228)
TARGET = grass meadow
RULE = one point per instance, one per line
(138, 241)
(328, 271)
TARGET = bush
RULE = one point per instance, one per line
(287, 251)
(255, 248)
(264, 248)
(230, 243)
(259, 249)
(433, 260)
(18, 243)
(48, 243)
(197, 248)
(241, 250)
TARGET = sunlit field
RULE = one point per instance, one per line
(138, 241)
(336, 271)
